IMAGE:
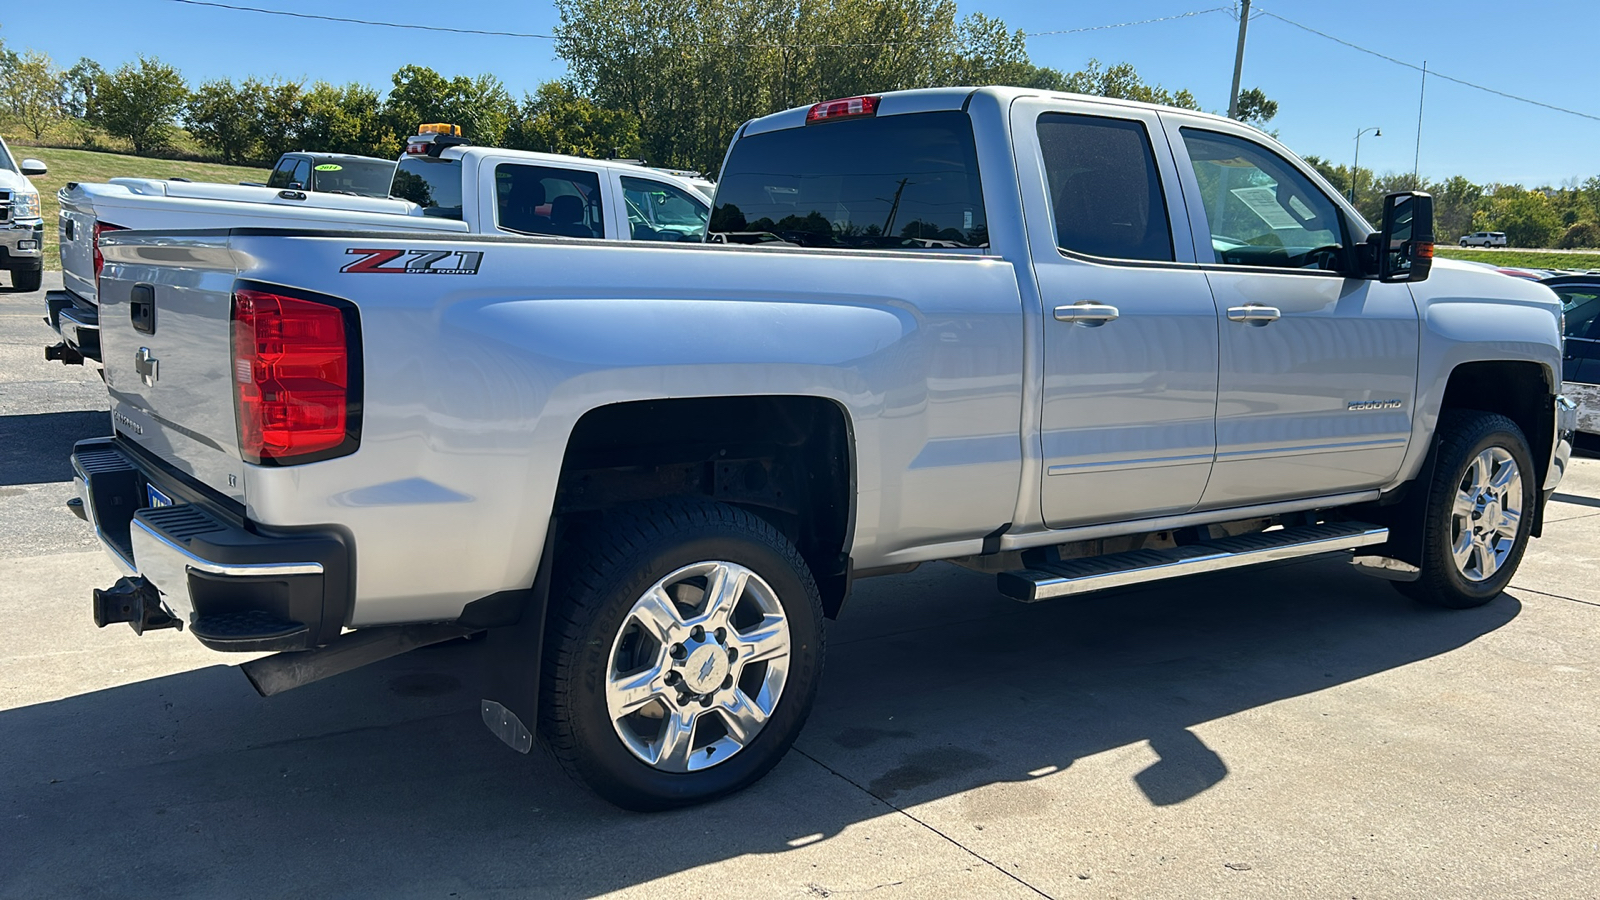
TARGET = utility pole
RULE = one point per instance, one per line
(1238, 61)
(1416, 162)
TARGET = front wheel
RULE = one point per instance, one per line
(1479, 511)
(684, 653)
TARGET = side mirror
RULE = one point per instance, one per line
(32, 167)
(1405, 247)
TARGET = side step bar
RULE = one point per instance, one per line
(1081, 576)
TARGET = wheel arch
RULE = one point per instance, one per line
(789, 458)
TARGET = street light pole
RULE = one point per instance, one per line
(1355, 167)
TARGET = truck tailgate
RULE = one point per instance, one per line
(170, 372)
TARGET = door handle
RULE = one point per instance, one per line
(1254, 314)
(1087, 312)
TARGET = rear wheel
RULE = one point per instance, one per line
(684, 654)
(26, 280)
(1479, 511)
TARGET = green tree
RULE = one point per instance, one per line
(1255, 108)
(557, 120)
(138, 103)
(280, 116)
(1122, 81)
(32, 91)
(346, 120)
(481, 106)
(224, 116)
(1528, 218)
(77, 87)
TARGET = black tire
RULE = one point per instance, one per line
(606, 566)
(26, 280)
(1463, 435)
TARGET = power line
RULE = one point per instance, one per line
(1431, 72)
(757, 45)
(356, 21)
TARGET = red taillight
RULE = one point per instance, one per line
(294, 377)
(100, 261)
(842, 109)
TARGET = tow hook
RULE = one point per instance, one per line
(135, 601)
(61, 351)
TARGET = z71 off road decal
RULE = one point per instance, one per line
(414, 262)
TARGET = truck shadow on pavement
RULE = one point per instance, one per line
(383, 783)
(37, 447)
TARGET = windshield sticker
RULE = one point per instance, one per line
(417, 262)
(1263, 201)
(329, 167)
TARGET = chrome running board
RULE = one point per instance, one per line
(1096, 573)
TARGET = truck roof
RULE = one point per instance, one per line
(893, 103)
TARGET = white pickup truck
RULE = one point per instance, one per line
(440, 185)
(1075, 342)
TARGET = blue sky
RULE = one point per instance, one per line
(1542, 49)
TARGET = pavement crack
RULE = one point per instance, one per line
(902, 811)
(1516, 587)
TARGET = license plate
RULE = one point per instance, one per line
(157, 499)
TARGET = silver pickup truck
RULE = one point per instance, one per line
(1078, 343)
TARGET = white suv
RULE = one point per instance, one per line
(1484, 239)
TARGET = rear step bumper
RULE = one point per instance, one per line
(1081, 576)
(235, 585)
(78, 325)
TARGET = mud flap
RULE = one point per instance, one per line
(514, 656)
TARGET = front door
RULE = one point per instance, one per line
(1130, 329)
(1318, 371)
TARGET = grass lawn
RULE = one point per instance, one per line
(1524, 259)
(88, 165)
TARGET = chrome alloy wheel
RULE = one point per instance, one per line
(1486, 514)
(697, 667)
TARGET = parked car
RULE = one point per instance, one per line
(21, 226)
(441, 184)
(332, 173)
(1484, 239)
(1580, 358)
(1075, 342)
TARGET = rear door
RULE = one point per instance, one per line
(1318, 371)
(1130, 329)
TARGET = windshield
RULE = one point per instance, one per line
(905, 182)
(433, 184)
(5, 159)
(362, 177)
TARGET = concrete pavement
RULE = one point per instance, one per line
(1298, 731)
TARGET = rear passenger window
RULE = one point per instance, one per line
(1104, 189)
(545, 200)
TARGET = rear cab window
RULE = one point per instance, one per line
(548, 200)
(899, 182)
(432, 183)
(1105, 192)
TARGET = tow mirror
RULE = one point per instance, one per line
(33, 168)
(1405, 248)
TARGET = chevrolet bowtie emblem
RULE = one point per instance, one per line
(148, 367)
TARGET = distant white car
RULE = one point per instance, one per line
(1484, 239)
